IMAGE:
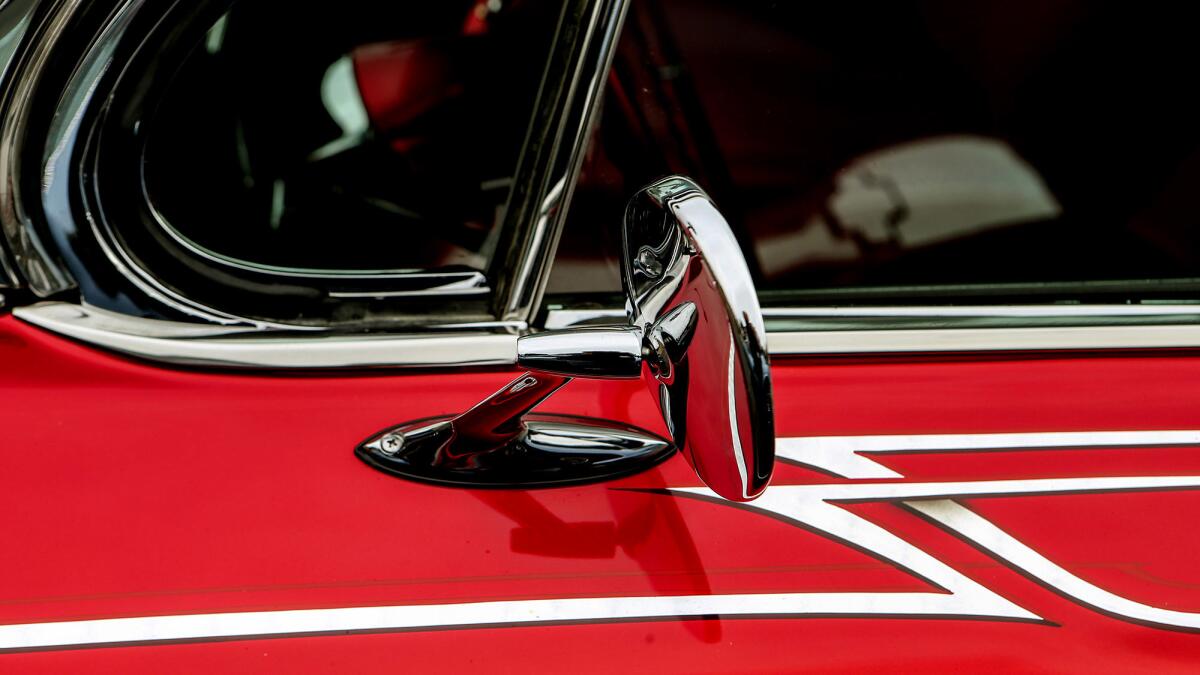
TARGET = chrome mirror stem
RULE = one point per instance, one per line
(499, 418)
(584, 352)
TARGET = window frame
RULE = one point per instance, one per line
(75, 72)
(546, 176)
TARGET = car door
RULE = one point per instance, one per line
(951, 306)
(996, 477)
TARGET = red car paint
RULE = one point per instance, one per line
(133, 490)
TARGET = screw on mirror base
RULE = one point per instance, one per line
(549, 451)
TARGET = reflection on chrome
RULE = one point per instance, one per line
(689, 289)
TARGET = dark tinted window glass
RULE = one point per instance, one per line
(909, 145)
(366, 135)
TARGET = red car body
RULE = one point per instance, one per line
(949, 496)
(133, 491)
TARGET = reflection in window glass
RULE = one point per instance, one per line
(912, 144)
(365, 136)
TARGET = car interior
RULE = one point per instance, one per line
(926, 145)
(365, 136)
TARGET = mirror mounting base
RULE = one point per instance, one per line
(499, 444)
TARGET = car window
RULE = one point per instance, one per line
(910, 150)
(364, 136)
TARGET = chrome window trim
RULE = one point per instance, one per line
(994, 311)
(44, 272)
(495, 343)
(15, 18)
(558, 137)
(77, 95)
(806, 319)
(196, 344)
(437, 281)
(887, 330)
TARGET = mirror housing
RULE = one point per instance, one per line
(690, 292)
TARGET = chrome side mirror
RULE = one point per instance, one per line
(696, 336)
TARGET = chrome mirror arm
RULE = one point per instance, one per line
(607, 353)
(500, 418)
(552, 358)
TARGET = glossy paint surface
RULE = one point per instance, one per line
(130, 490)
